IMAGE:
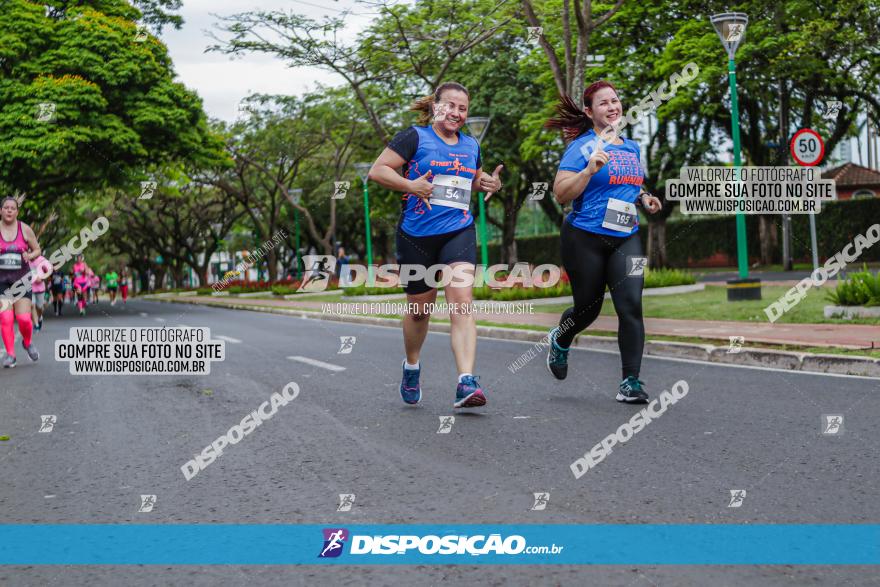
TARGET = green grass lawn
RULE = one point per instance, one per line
(768, 268)
(712, 304)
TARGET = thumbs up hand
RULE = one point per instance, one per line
(422, 188)
(491, 183)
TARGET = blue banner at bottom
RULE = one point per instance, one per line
(256, 544)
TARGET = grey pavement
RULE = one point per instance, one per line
(118, 437)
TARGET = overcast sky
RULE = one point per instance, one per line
(222, 81)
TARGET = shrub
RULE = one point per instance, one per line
(363, 290)
(518, 292)
(858, 289)
(668, 278)
(284, 289)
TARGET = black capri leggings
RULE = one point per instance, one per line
(593, 261)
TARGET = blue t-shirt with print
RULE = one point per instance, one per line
(621, 178)
(425, 151)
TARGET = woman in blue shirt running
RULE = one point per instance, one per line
(435, 234)
(602, 175)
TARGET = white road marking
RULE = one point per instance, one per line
(159, 319)
(647, 357)
(144, 314)
(521, 417)
(317, 363)
(228, 339)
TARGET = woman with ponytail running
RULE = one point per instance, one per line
(442, 168)
(602, 175)
(80, 284)
(18, 247)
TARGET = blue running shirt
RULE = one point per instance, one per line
(620, 179)
(453, 168)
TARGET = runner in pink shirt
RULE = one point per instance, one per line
(41, 269)
(18, 246)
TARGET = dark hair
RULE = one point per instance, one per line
(9, 198)
(425, 105)
(573, 120)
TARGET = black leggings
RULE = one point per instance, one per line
(593, 261)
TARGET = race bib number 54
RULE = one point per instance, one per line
(620, 216)
(452, 191)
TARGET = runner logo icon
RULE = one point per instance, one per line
(534, 34)
(737, 496)
(736, 344)
(346, 344)
(539, 189)
(334, 539)
(148, 188)
(446, 423)
(541, 501)
(46, 112)
(735, 32)
(147, 503)
(319, 270)
(346, 500)
(832, 424)
(832, 108)
(340, 189)
(48, 423)
(636, 266)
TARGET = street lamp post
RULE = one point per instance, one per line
(731, 29)
(478, 125)
(295, 196)
(363, 170)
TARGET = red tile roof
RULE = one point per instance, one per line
(850, 175)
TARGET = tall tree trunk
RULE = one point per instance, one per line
(202, 273)
(177, 275)
(769, 239)
(657, 243)
(160, 276)
(272, 262)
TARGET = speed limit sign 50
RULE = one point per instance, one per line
(807, 147)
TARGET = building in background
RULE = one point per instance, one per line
(854, 181)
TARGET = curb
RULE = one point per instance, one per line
(850, 312)
(755, 357)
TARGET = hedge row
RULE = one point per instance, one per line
(695, 240)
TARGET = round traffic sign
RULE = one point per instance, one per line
(807, 147)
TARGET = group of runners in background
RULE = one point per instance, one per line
(83, 285)
(21, 255)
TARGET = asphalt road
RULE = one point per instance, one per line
(117, 437)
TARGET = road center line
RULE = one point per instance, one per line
(227, 338)
(317, 363)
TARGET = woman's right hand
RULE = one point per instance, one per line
(597, 160)
(423, 188)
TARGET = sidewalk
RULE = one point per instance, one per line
(847, 336)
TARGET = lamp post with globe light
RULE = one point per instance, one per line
(478, 125)
(363, 171)
(295, 196)
(731, 29)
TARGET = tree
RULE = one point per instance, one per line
(408, 50)
(84, 104)
(568, 73)
(286, 143)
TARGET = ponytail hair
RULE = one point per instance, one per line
(425, 105)
(573, 121)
